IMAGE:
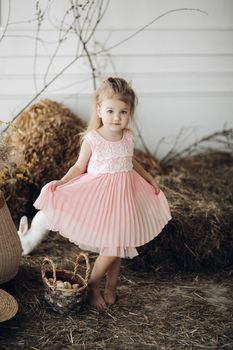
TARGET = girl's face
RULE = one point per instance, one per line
(114, 113)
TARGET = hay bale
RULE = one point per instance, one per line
(200, 194)
(47, 137)
(47, 134)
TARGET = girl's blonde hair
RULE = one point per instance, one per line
(110, 88)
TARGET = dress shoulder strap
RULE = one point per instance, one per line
(92, 138)
(129, 135)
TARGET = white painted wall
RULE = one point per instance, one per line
(181, 66)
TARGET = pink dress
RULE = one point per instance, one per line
(110, 209)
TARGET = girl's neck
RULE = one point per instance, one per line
(111, 135)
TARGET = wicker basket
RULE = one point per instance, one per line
(65, 300)
(10, 246)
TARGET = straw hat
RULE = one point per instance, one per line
(8, 306)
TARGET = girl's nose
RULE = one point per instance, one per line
(116, 117)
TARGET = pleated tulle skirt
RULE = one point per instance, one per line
(107, 213)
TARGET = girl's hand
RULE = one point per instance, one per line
(55, 184)
(156, 186)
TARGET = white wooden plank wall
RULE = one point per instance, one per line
(181, 66)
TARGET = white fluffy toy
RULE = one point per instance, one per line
(31, 238)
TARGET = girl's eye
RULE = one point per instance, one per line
(109, 111)
(124, 112)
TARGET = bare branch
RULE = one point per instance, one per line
(142, 140)
(7, 22)
(151, 22)
(224, 137)
(59, 43)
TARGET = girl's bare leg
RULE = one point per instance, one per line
(111, 281)
(100, 268)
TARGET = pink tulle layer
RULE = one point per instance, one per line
(107, 213)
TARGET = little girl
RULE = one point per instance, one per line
(106, 202)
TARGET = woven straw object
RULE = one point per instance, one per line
(8, 306)
(10, 246)
(65, 299)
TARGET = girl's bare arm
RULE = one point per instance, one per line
(137, 167)
(80, 166)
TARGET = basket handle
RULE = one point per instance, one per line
(43, 272)
(88, 267)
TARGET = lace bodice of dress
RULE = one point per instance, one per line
(110, 156)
